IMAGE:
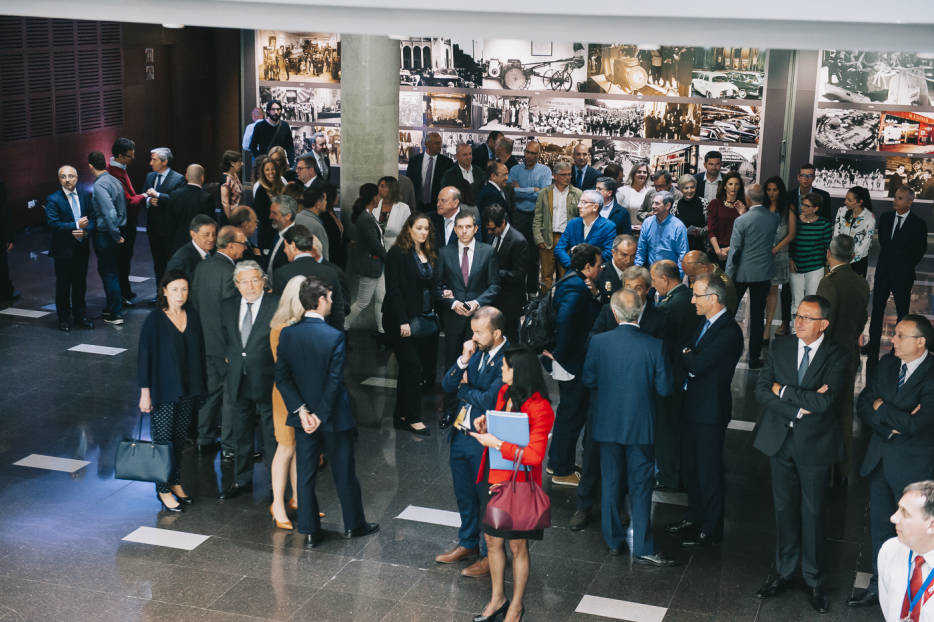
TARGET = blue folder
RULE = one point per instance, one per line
(510, 427)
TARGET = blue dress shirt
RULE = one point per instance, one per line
(666, 240)
(538, 177)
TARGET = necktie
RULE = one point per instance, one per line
(580, 177)
(158, 181)
(323, 166)
(247, 324)
(426, 183)
(805, 361)
(913, 586)
(898, 225)
(482, 360)
(75, 209)
(465, 265)
(703, 330)
(902, 375)
(499, 241)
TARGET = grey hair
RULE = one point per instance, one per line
(714, 286)
(562, 165)
(592, 196)
(316, 245)
(841, 248)
(623, 237)
(637, 272)
(911, 193)
(687, 178)
(609, 183)
(665, 196)
(626, 305)
(316, 135)
(287, 202)
(163, 153)
(926, 490)
(246, 266)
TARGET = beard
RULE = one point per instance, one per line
(275, 116)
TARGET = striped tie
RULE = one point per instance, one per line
(902, 374)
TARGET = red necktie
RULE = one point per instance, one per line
(465, 266)
(914, 585)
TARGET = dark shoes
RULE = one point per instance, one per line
(178, 508)
(313, 540)
(113, 319)
(404, 425)
(756, 364)
(818, 599)
(656, 559)
(257, 456)
(863, 598)
(363, 530)
(65, 327)
(699, 539)
(235, 490)
(227, 457)
(499, 614)
(679, 527)
(774, 586)
(616, 552)
(579, 520)
(85, 323)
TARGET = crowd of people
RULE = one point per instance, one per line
(528, 270)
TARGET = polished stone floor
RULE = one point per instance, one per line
(64, 552)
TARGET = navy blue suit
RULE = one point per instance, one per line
(627, 369)
(601, 235)
(619, 216)
(479, 392)
(70, 255)
(586, 179)
(310, 372)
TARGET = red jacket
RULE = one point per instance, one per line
(133, 200)
(541, 419)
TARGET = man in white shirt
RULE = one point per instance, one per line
(708, 182)
(906, 563)
(282, 213)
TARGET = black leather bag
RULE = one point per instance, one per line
(143, 461)
(424, 326)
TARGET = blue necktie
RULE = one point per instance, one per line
(902, 375)
(703, 330)
(803, 367)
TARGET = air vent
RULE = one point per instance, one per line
(39, 73)
(11, 33)
(14, 121)
(111, 67)
(12, 76)
(63, 64)
(66, 113)
(87, 33)
(110, 33)
(63, 33)
(90, 111)
(113, 108)
(40, 117)
(37, 32)
(89, 69)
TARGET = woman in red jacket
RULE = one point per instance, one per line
(523, 390)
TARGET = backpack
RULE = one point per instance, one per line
(539, 320)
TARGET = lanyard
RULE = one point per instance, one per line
(924, 586)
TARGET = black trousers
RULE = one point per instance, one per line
(522, 221)
(125, 253)
(161, 248)
(668, 439)
(413, 356)
(246, 415)
(456, 332)
(570, 418)
(799, 493)
(340, 451)
(71, 284)
(758, 293)
(884, 285)
(6, 285)
(702, 469)
(169, 424)
(215, 373)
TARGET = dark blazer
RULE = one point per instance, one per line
(601, 235)
(170, 374)
(482, 156)
(909, 455)
(488, 195)
(173, 181)
(310, 371)
(186, 202)
(405, 292)
(512, 258)
(482, 385)
(681, 322)
(250, 368)
(817, 437)
(824, 210)
(162, 221)
(899, 256)
(482, 283)
(652, 321)
(307, 266)
(701, 182)
(619, 216)
(590, 177)
(469, 192)
(848, 295)
(627, 369)
(414, 172)
(61, 220)
(367, 252)
(186, 259)
(608, 281)
(437, 230)
(212, 284)
(576, 308)
(708, 369)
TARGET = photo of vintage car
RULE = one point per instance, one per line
(713, 84)
(748, 83)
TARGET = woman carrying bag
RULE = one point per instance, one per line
(524, 391)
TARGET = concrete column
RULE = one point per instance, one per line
(369, 113)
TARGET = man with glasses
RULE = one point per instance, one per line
(589, 227)
(203, 233)
(555, 206)
(796, 390)
(272, 132)
(806, 185)
(663, 236)
(529, 179)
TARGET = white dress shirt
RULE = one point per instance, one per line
(814, 345)
(466, 173)
(606, 209)
(278, 243)
(587, 227)
(254, 310)
(74, 203)
(462, 364)
(898, 222)
(201, 252)
(894, 574)
(711, 187)
(501, 237)
(448, 228)
(460, 254)
(559, 210)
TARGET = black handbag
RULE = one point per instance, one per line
(143, 461)
(424, 326)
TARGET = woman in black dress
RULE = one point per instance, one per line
(337, 245)
(171, 376)
(270, 185)
(410, 272)
(691, 209)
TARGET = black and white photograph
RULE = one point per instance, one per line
(450, 140)
(518, 65)
(837, 174)
(728, 73)
(449, 110)
(556, 115)
(435, 61)
(553, 148)
(411, 143)
(648, 70)
(615, 117)
(743, 160)
(730, 124)
(625, 153)
(846, 130)
(298, 57)
(675, 158)
(861, 77)
(302, 136)
(500, 112)
(411, 109)
(669, 121)
(907, 132)
(304, 105)
(916, 173)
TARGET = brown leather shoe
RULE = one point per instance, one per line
(480, 568)
(456, 555)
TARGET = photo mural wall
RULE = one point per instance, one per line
(666, 106)
(874, 122)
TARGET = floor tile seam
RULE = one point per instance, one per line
(66, 586)
(124, 487)
(342, 568)
(225, 592)
(684, 571)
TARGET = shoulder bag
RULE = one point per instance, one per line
(143, 461)
(518, 506)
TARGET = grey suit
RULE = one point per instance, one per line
(309, 219)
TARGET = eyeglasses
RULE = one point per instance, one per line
(250, 282)
(806, 175)
(237, 242)
(704, 295)
(798, 316)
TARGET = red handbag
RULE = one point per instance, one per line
(518, 506)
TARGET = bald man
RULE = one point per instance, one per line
(426, 170)
(698, 263)
(66, 214)
(188, 201)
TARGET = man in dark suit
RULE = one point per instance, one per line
(796, 194)
(903, 237)
(322, 161)
(698, 263)
(426, 170)
(442, 221)
(203, 232)
(467, 280)
(708, 180)
(282, 213)
(611, 210)
(495, 190)
(161, 223)
(475, 378)
(485, 153)
(898, 407)
(310, 376)
(187, 202)
(211, 286)
(623, 422)
(610, 278)
(848, 295)
(512, 257)
(465, 176)
(707, 360)
(305, 260)
(66, 213)
(652, 321)
(797, 389)
(250, 371)
(583, 176)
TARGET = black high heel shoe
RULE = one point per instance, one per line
(405, 425)
(496, 615)
(165, 508)
(186, 500)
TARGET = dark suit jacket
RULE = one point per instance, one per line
(367, 252)
(701, 182)
(608, 281)
(513, 260)
(481, 387)
(576, 308)
(168, 373)
(307, 266)
(405, 293)
(414, 172)
(489, 195)
(211, 285)
(61, 220)
(186, 203)
(848, 295)
(708, 368)
(619, 216)
(310, 371)
(162, 220)
(469, 192)
(909, 455)
(482, 156)
(627, 368)
(899, 256)
(681, 322)
(250, 368)
(590, 177)
(817, 436)
(437, 230)
(482, 283)
(186, 259)
(824, 210)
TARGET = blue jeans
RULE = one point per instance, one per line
(107, 256)
(466, 455)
